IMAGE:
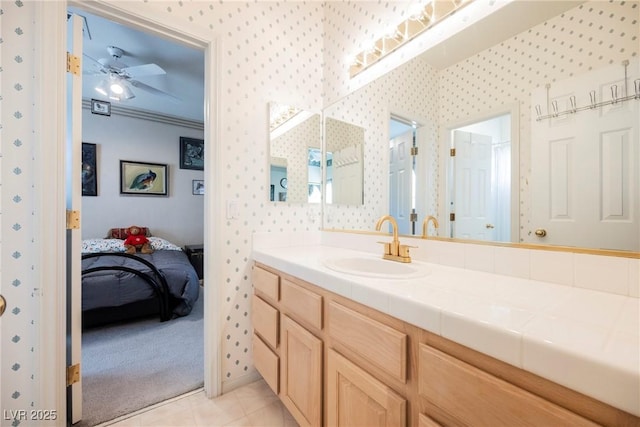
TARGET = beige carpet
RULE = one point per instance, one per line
(127, 367)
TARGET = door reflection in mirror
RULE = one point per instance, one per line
(345, 162)
(480, 181)
(402, 174)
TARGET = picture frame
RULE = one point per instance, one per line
(100, 107)
(143, 179)
(191, 153)
(89, 170)
(197, 187)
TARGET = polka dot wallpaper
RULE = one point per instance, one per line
(18, 243)
(294, 53)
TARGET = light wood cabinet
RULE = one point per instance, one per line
(475, 397)
(355, 398)
(266, 283)
(302, 304)
(301, 376)
(265, 321)
(267, 363)
(383, 346)
(334, 362)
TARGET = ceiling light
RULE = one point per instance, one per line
(103, 88)
(127, 93)
(116, 88)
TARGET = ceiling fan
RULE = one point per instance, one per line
(118, 76)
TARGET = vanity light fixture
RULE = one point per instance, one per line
(420, 20)
(279, 114)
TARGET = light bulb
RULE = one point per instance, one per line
(116, 88)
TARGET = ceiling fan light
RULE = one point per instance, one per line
(103, 88)
(127, 93)
(116, 88)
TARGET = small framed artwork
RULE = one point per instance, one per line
(89, 170)
(100, 107)
(141, 178)
(191, 153)
(197, 187)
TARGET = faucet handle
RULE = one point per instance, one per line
(387, 247)
(404, 250)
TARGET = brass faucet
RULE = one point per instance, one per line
(425, 225)
(393, 251)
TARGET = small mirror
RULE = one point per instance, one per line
(345, 162)
(295, 166)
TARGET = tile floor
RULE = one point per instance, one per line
(251, 405)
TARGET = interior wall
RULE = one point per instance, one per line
(177, 217)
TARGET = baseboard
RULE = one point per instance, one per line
(250, 377)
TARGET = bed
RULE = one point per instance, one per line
(117, 286)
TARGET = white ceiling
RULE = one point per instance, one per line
(184, 68)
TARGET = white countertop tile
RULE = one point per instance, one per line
(584, 339)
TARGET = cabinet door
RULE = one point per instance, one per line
(301, 373)
(355, 398)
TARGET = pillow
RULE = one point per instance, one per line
(121, 233)
(92, 246)
(159, 244)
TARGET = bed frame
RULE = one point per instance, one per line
(156, 280)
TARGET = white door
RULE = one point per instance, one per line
(73, 163)
(585, 166)
(472, 198)
(400, 173)
(347, 175)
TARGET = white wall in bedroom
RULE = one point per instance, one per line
(177, 217)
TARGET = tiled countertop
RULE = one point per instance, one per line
(586, 340)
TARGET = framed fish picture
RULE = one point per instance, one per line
(141, 178)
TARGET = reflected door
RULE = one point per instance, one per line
(472, 198)
(400, 172)
(585, 177)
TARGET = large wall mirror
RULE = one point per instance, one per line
(295, 155)
(529, 138)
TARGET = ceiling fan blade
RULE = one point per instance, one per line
(139, 85)
(92, 66)
(143, 70)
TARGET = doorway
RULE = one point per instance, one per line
(210, 357)
(480, 186)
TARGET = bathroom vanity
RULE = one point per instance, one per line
(340, 349)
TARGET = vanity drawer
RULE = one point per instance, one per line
(267, 363)
(266, 283)
(302, 304)
(380, 344)
(265, 321)
(476, 397)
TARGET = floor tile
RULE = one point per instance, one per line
(251, 405)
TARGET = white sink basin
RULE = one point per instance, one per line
(376, 267)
